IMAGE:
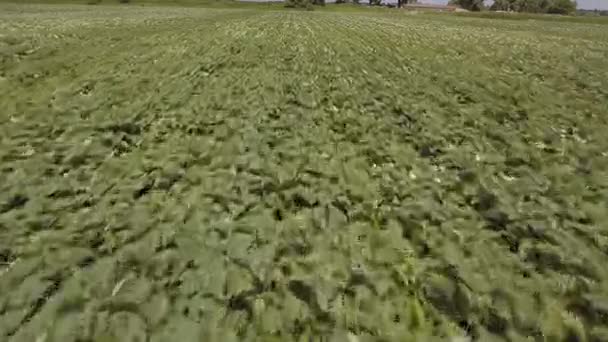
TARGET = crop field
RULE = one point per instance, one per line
(191, 174)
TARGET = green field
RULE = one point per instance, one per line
(191, 174)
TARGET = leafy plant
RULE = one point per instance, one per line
(471, 5)
(535, 6)
(298, 4)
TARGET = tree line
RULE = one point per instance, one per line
(531, 6)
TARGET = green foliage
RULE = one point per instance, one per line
(561, 7)
(535, 6)
(471, 5)
(224, 175)
(340, 2)
(405, 2)
(305, 4)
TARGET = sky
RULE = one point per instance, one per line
(593, 4)
(584, 4)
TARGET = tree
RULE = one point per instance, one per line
(471, 5)
(502, 5)
(562, 7)
(520, 5)
(405, 2)
(535, 6)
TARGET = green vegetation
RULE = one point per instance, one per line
(186, 174)
(308, 4)
(471, 5)
(530, 6)
(595, 12)
(536, 6)
(233, 4)
(518, 16)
